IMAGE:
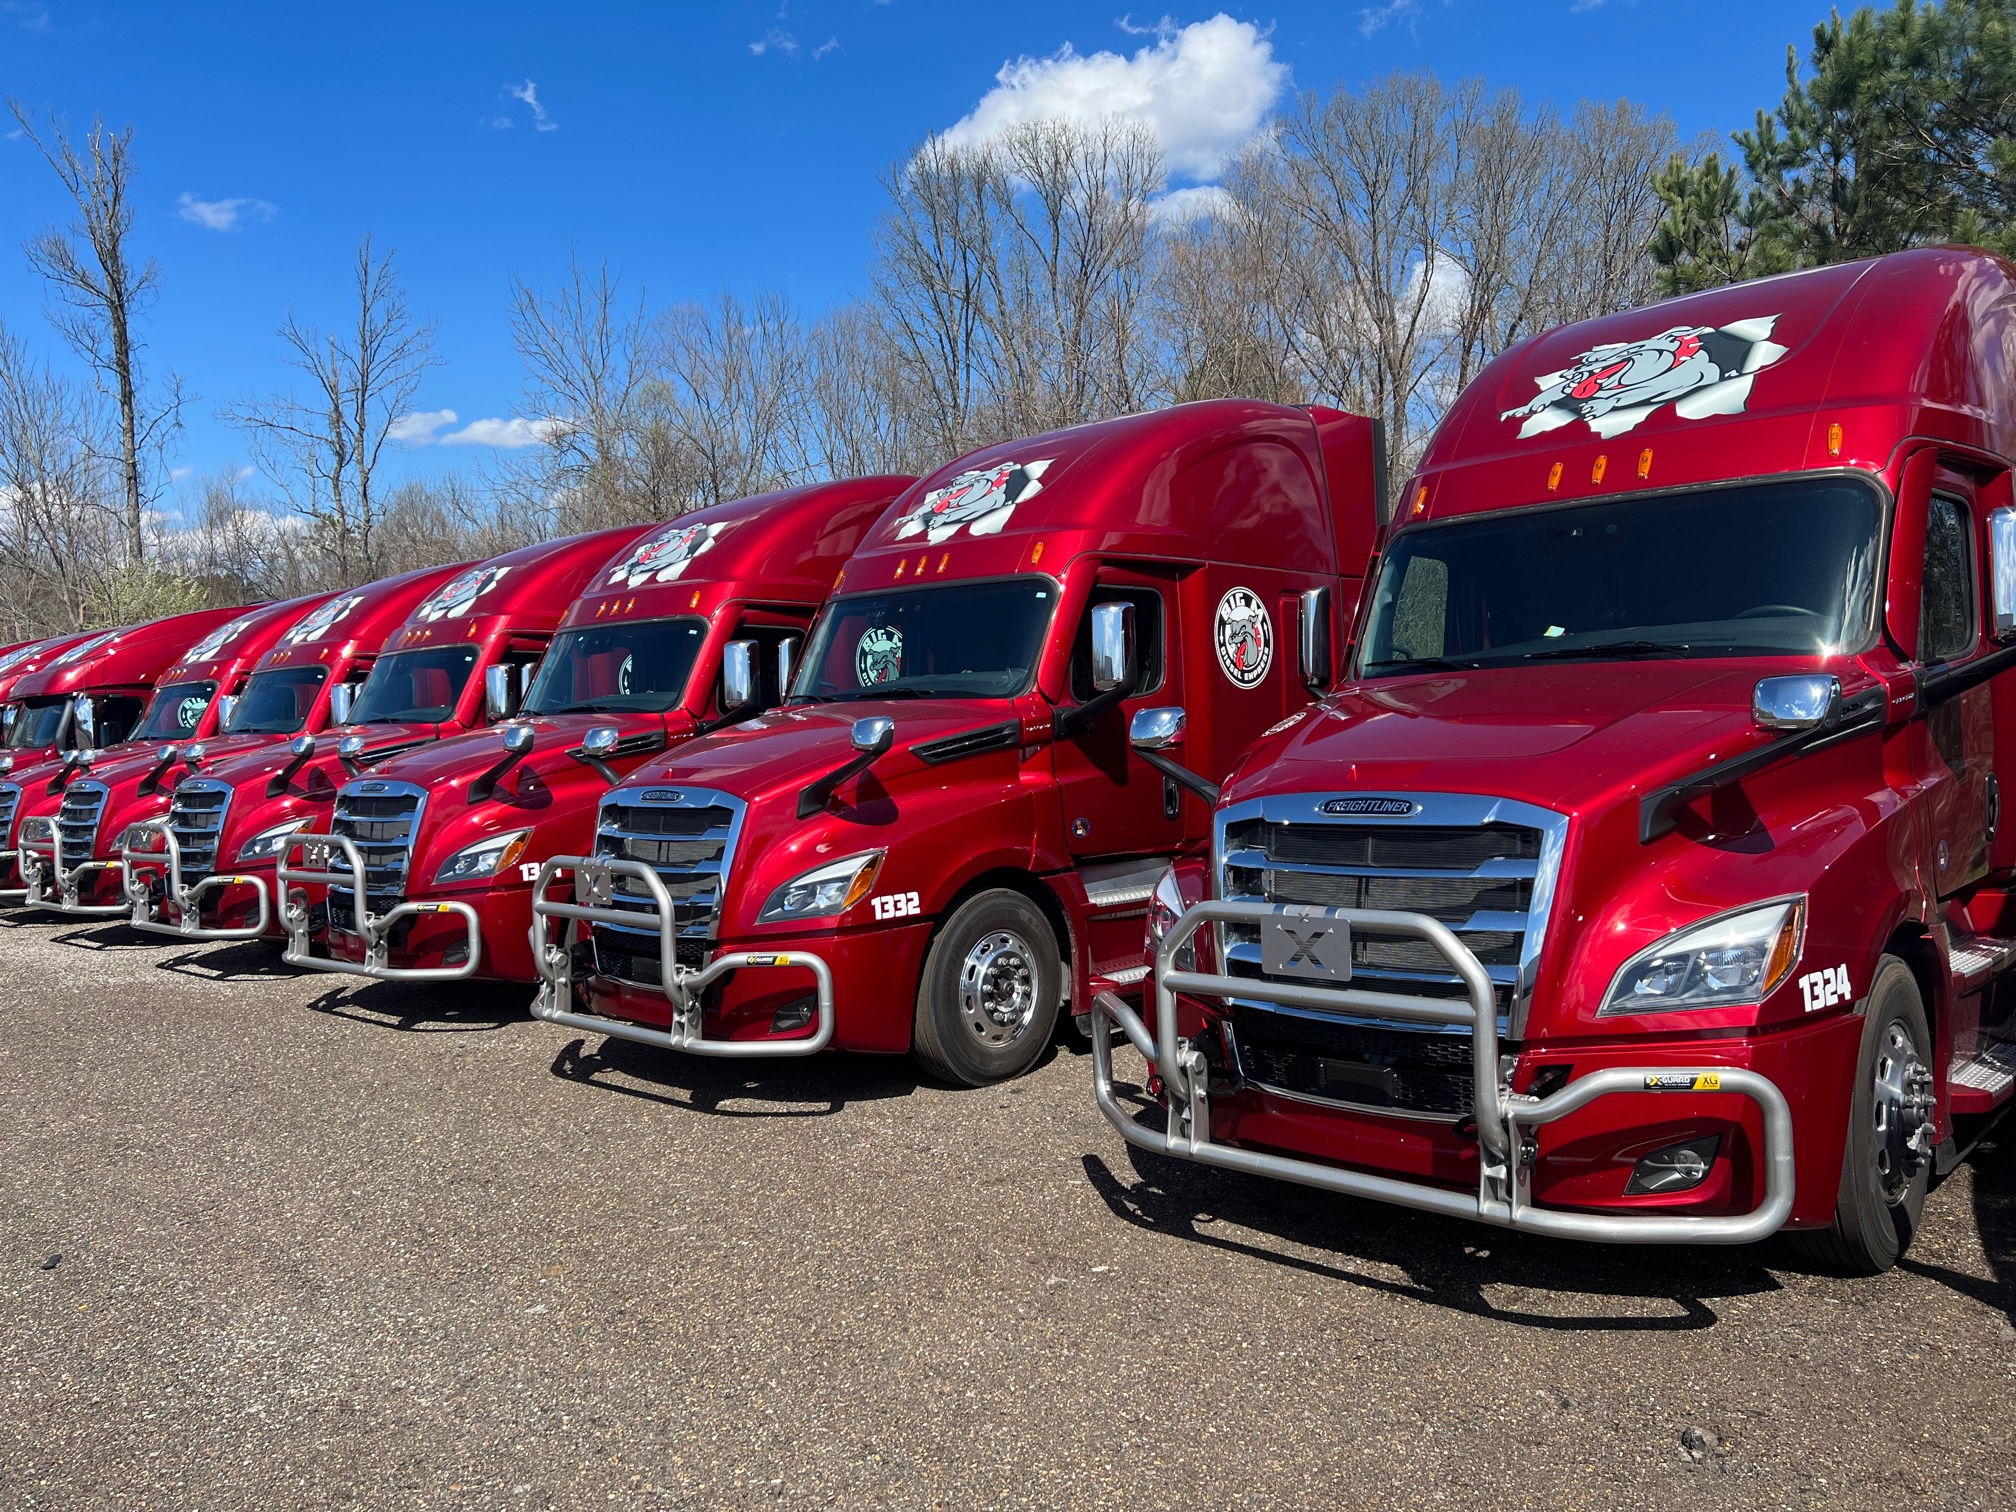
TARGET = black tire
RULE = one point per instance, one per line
(987, 1002)
(1877, 1211)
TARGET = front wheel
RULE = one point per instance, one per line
(1887, 1167)
(987, 1003)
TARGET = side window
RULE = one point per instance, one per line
(1147, 639)
(1421, 612)
(1946, 612)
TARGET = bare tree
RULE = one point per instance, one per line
(101, 292)
(729, 394)
(322, 448)
(58, 522)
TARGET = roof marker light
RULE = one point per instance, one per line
(1035, 553)
(944, 561)
(1596, 472)
(1834, 440)
(901, 563)
(1645, 463)
(1553, 477)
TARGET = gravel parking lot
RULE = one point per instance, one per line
(271, 1240)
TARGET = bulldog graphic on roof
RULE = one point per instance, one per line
(1700, 370)
(319, 621)
(216, 640)
(983, 501)
(458, 595)
(664, 556)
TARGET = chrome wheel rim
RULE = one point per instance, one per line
(997, 988)
(1900, 1129)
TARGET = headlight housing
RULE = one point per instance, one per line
(825, 890)
(39, 828)
(1731, 960)
(267, 844)
(1165, 907)
(486, 858)
(138, 837)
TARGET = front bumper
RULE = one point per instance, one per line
(47, 883)
(149, 908)
(682, 987)
(1504, 1119)
(373, 929)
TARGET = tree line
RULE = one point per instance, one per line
(1373, 250)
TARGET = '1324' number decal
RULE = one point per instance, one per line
(1825, 989)
(895, 905)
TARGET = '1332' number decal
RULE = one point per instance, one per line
(1825, 989)
(895, 905)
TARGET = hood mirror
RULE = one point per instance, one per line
(1316, 663)
(301, 749)
(872, 737)
(738, 675)
(518, 740)
(600, 741)
(85, 713)
(787, 663)
(227, 705)
(342, 699)
(500, 693)
(1112, 646)
(1795, 703)
(194, 754)
(1157, 729)
(304, 746)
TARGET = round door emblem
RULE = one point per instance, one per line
(1245, 638)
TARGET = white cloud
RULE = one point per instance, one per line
(224, 214)
(1179, 207)
(418, 428)
(245, 472)
(1376, 18)
(1203, 89)
(528, 92)
(177, 474)
(775, 40)
(830, 45)
(512, 434)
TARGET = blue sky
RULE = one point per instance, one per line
(695, 146)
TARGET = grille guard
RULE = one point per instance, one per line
(56, 888)
(374, 929)
(134, 865)
(594, 877)
(1504, 1184)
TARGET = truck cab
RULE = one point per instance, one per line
(941, 838)
(1646, 881)
(421, 867)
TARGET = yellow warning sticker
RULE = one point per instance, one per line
(1708, 1081)
(767, 960)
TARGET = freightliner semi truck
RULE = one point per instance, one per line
(941, 840)
(1647, 879)
(422, 867)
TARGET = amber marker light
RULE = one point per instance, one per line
(1834, 440)
(1645, 463)
(1596, 472)
(1785, 949)
(1553, 477)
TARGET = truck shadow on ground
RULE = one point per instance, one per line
(818, 1086)
(426, 1007)
(1992, 1168)
(102, 935)
(250, 961)
(1522, 1279)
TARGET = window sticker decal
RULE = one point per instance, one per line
(662, 556)
(319, 621)
(878, 656)
(983, 501)
(1244, 637)
(458, 595)
(189, 712)
(1611, 388)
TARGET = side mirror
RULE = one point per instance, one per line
(1157, 729)
(227, 705)
(13, 712)
(500, 697)
(872, 737)
(1112, 646)
(787, 663)
(85, 713)
(1795, 703)
(600, 741)
(2002, 572)
(304, 745)
(342, 699)
(1316, 663)
(193, 754)
(350, 747)
(738, 675)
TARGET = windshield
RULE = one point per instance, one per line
(638, 667)
(176, 711)
(277, 701)
(415, 686)
(1776, 569)
(37, 723)
(960, 640)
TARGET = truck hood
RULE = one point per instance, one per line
(459, 757)
(1560, 736)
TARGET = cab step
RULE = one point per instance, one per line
(1977, 959)
(1982, 1082)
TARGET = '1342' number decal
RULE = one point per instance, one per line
(895, 905)
(1825, 989)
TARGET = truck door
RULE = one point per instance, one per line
(1115, 804)
(1954, 749)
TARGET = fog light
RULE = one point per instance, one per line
(794, 1015)
(1675, 1167)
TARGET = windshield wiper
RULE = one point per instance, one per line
(1611, 648)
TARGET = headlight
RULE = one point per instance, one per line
(827, 890)
(267, 844)
(486, 858)
(139, 837)
(1730, 960)
(1165, 907)
(39, 828)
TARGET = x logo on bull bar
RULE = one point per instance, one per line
(1305, 949)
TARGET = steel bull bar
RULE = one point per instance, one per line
(136, 864)
(1504, 1118)
(594, 895)
(54, 886)
(374, 929)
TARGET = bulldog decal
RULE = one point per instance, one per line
(83, 649)
(878, 655)
(318, 621)
(216, 640)
(458, 595)
(1699, 370)
(1244, 637)
(982, 501)
(664, 554)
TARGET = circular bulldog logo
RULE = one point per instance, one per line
(458, 595)
(189, 713)
(983, 501)
(1245, 638)
(319, 621)
(878, 657)
(1699, 370)
(663, 555)
(216, 640)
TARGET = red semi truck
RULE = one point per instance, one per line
(691, 626)
(451, 655)
(942, 838)
(1646, 880)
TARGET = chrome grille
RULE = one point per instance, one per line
(196, 820)
(77, 822)
(10, 803)
(1483, 866)
(381, 818)
(688, 837)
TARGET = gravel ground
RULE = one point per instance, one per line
(334, 1245)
